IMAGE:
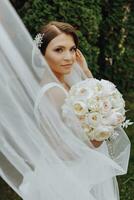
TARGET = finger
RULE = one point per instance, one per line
(78, 53)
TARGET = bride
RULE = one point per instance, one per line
(58, 44)
(41, 158)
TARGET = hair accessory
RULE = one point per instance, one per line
(38, 39)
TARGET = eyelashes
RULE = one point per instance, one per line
(60, 50)
(74, 48)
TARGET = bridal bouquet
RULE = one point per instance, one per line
(98, 106)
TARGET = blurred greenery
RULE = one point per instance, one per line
(105, 29)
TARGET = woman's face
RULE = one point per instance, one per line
(61, 54)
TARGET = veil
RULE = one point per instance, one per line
(40, 157)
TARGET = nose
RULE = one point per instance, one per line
(68, 55)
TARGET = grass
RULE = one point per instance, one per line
(126, 182)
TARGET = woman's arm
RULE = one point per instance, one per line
(83, 64)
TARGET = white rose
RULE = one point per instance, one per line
(102, 133)
(88, 130)
(117, 100)
(114, 119)
(108, 87)
(93, 104)
(80, 108)
(122, 111)
(98, 87)
(82, 91)
(92, 83)
(94, 118)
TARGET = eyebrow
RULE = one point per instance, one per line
(60, 46)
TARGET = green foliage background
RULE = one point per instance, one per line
(106, 34)
(105, 29)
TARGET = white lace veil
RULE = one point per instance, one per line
(40, 157)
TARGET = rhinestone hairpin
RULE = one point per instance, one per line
(38, 39)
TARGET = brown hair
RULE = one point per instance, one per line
(53, 29)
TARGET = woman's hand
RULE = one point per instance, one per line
(96, 143)
(80, 59)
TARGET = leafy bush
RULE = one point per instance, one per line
(84, 15)
(116, 43)
(105, 29)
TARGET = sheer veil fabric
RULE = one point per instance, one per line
(40, 157)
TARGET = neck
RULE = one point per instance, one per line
(60, 77)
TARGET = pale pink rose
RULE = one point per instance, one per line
(105, 106)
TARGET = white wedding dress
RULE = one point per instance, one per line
(105, 189)
(40, 157)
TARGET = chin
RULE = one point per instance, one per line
(68, 71)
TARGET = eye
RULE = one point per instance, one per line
(73, 49)
(59, 50)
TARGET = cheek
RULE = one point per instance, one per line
(53, 60)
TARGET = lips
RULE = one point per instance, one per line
(67, 65)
